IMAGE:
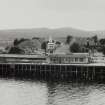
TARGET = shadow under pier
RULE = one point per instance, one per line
(53, 72)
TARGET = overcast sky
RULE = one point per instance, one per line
(82, 14)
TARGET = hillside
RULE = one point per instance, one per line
(7, 36)
(45, 32)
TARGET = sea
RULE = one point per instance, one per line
(27, 92)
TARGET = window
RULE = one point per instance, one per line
(81, 59)
(76, 59)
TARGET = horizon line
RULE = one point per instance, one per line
(52, 28)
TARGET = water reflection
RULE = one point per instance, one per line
(14, 92)
(76, 94)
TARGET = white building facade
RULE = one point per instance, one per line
(50, 46)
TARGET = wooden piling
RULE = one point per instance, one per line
(54, 71)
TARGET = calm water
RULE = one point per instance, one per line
(14, 92)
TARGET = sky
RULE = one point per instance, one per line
(80, 14)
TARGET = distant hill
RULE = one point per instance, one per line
(45, 32)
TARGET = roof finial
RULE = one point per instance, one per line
(50, 39)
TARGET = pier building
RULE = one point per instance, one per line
(74, 67)
(70, 58)
(12, 58)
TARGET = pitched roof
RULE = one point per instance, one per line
(63, 49)
(72, 55)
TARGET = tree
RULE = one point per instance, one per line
(68, 39)
(57, 42)
(15, 50)
(102, 41)
(95, 38)
(15, 42)
(75, 48)
(88, 42)
(44, 46)
(103, 50)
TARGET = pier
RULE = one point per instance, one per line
(72, 72)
